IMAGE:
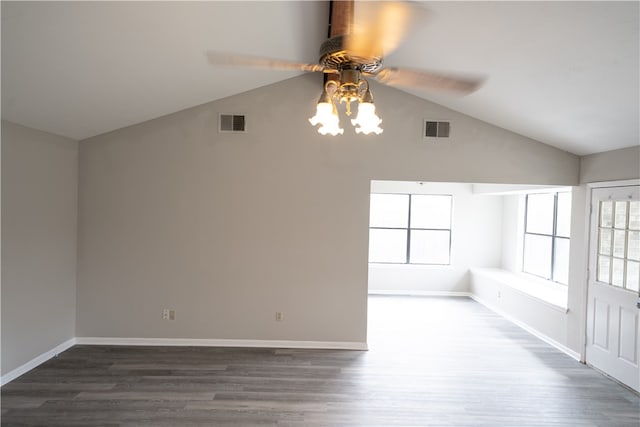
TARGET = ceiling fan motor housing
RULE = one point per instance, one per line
(334, 56)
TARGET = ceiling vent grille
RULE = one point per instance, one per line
(436, 129)
(234, 123)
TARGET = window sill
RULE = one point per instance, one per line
(551, 293)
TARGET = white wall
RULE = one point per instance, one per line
(536, 314)
(578, 260)
(475, 241)
(39, 222)
(227, 229)
(512, 227)
(505, 292)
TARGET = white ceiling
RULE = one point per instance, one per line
(564, 73)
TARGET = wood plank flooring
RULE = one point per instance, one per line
(432, 362)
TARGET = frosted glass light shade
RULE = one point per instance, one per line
(328, 119)
(367, 120)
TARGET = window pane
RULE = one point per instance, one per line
(618, 243)
(603, 268)
(563, 224)
(617, 272)
(537, 255)
(633, 275)
(633, 251)
(428, 211)
(540, 213)
(561, 261)
(388, 246)
(606, 212)
(605, 241)
(621, 214)
(634, 215)
(429, 247)
(389, 210)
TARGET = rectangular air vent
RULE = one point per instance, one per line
(232, 123)
(436, 129)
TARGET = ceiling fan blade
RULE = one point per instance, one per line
(379, 27)
(250, 61)
(428, 80)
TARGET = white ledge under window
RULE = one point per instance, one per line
(549, 292)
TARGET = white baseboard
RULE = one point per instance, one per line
(36, 361)
(419, 293)
(573, 354)
(318, 345)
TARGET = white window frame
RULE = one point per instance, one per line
(553, 237)
(409, 228)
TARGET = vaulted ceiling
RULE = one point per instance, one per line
(563, 73)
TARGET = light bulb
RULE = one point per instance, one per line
(367, 119)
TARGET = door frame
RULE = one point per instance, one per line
(587, 253)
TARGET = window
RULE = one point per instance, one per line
(410, 229)
(546, 236)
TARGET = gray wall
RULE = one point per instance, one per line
(39, 212)
(227, 229)
(611, 165)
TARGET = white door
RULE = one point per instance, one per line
(613, 329)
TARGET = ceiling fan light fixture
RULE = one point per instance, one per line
(349, 88)
(354, 52)
(367, 121)
(326, 116)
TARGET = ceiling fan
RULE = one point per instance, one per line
(360, 34)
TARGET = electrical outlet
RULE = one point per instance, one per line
(168, 314)
(279, 316)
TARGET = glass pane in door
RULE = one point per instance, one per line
(634, 215)
(621, 214)
(633, 249)
(605, 241)
(617, 272)
(606, 213)
(633, 276)
(603, 268)
(618, 243)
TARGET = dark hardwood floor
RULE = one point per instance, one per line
(432, 362)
